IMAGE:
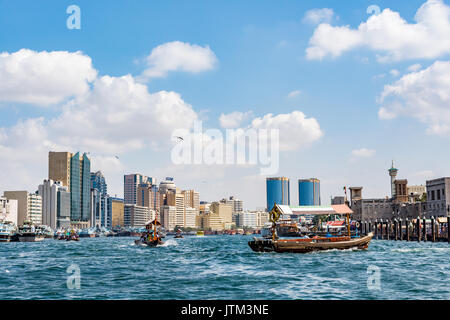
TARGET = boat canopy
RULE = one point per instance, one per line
(338, 209)
(153, 222)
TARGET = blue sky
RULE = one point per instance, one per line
(261, 50)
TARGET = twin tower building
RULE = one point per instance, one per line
(278, 191)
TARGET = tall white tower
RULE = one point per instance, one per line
(393, 173)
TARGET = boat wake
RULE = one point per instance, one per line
(169, 243)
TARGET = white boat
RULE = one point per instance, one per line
(29, 233)
(7, 231)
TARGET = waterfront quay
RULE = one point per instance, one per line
(434, 229)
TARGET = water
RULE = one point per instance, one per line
(220, 267)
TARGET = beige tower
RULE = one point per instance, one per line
(59, 167)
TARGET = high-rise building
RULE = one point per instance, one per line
(73, 170)
(8, 210)
(135, 216)
(224, 211)
(192, 199)
(236, 204)
(309, 192)
(190, 217)
(131, 183)
(168, 217)
(55, 204)
(278, 191)
(59, 167)
(393, 174)
(29, 206)
(246, 219)
(100, 203)
(117, 212)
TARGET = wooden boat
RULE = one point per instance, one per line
(309, 245)
(305, 245)
(151, 236)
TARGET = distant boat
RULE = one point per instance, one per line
(88, 233)
(7, 231)
(29, 233)
(200, 234)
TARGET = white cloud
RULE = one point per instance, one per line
(44, 78)
(423, 95)
(295, 129)
(394, 73)
(294, 94)
(115, 115)
(363, 153)
(179, 56)
(389, 35)
(414, 67)
(233, 119)
(317, 16)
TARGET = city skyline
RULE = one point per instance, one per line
(121, 97)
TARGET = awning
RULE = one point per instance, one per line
(335, 223)
(341, 209)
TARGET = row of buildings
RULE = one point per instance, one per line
(404, 201)
(73, 196)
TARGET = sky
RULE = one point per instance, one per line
(349, 85)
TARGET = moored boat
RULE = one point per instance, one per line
(308, 244)
(29, 233)
(7, 231)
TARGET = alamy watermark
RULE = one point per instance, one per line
(74, 20)
(238, 147)
(374, 278)
(74, 279)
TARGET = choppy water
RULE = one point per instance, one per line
(220, 267)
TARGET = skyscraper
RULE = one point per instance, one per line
(131, 183)
(277, 191)
(73, 171)
(101, 212)
(55, 204)
(309, 192)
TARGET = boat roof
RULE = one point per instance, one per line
(338, 209)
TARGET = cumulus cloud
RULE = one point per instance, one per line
(233, 119)
(423, 95)
(179, 56)
(363, 153)
(110, 116)
(295, 129)
(317, 16)
(44, 78)
(392, 37)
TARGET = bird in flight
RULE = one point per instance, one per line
(179, 138)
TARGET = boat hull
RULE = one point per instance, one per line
(310, 245)
(31, 238)
(148, 243)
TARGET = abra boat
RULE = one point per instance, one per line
(29, 233)
(309, 244)
(200, 234)
(7, 231)
(151, 236)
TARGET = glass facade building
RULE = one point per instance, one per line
(277, 191)
(309, 192)
(80, 187)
